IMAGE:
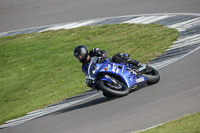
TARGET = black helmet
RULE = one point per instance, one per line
(81, 53)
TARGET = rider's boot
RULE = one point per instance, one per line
(134, 63)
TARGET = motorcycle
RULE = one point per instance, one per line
(118, 79)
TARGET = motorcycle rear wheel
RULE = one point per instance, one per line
(117, 90)
(152, 77)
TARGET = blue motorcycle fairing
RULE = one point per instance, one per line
(121, 71)
(105, 79)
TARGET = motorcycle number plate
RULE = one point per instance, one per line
(140, 80)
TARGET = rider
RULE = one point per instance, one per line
(83, 55)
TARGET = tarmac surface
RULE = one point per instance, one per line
(21, 14)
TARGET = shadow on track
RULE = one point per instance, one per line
(92, 102)
(84, 105)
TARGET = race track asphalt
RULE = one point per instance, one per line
(20, 14)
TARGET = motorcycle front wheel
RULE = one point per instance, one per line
(113, 90)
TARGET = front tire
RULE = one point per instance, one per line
(111, 90)
(153, 76)
(107, 95)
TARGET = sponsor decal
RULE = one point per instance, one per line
(115, 69)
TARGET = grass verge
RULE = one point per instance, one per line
(185, 124)
(39, 69)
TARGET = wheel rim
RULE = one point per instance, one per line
(114, 90)
(115, 86)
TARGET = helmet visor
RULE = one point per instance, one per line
(80, 56)
(81, 53)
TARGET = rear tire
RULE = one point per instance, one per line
(152, 77)
(109, 91)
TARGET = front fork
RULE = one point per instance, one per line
(113, 80)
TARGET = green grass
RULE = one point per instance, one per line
(39, 69)
(185, 124)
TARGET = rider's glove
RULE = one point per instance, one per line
(101, 59)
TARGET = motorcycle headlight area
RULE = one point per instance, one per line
(93, 70)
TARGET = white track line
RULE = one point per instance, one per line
(68, 26)
(182, 26)
(147, 19)
(157, 19)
